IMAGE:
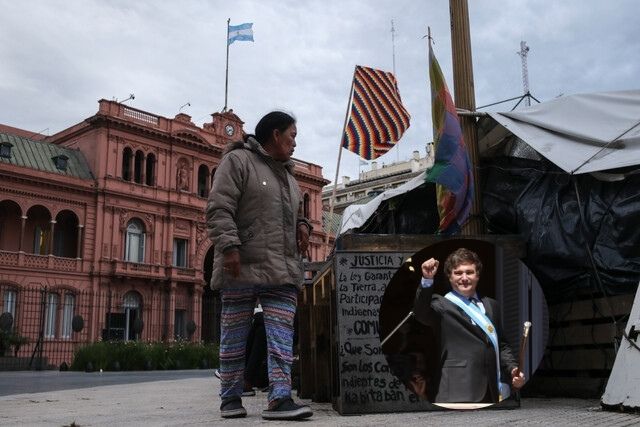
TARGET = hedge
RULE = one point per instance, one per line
(138, 356)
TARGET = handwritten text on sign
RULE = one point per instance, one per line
(366, 384)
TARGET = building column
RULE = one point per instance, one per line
(23, 223)
(132, 172)
(143, 169)
(79, 247)
(191, 249)
(154, 169)
(196, 314)
(172, 311)
(51, 233)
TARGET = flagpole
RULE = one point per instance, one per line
(393, 50)
(335, 181)
(226, 74)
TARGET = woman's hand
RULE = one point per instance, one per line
(231, 262)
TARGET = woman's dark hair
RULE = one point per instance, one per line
(270, 122)
(462, 256)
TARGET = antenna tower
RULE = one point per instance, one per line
(524, 51)
(393, 44)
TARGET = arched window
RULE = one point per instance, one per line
(137, 167)
(38, 229)
(132, 311)
(134, 242)
(9, 299)
(10, 217)
(68, 309)
(65, 236)
(150, 169)
(127, 154)
(51, 315)
(306, 205)
(203, 181)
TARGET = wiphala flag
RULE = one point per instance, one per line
(377, 118)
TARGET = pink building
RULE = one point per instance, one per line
(105, 220)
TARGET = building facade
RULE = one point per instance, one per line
(104, 221)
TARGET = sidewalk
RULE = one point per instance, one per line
(194, 401)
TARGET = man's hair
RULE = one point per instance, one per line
(462, 256)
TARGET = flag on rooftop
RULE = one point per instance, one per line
(242, 32)
(377, 117)
(452, 170)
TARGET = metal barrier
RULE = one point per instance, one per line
(41, 328)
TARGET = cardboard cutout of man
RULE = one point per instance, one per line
(472, 354)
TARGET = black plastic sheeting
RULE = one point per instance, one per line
(414, 212)
(569, 234)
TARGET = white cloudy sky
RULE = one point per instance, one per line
(58, 58)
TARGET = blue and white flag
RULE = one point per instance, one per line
(242, 32)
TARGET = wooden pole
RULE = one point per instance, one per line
(464, 95)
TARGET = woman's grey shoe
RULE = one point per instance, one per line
(286, 409)
(232, 408)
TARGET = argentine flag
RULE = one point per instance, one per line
(242, 32)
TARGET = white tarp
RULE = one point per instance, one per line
(581, 133)
(622, 387)
(355, 216)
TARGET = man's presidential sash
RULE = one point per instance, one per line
(484, 323)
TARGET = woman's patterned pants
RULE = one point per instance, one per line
(279, 308)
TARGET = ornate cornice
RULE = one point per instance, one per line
(40, 183)
(126, 215)
(43, 196)
(102, 120)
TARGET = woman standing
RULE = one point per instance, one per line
(253, 218)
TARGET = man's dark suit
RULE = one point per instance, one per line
(467, 362)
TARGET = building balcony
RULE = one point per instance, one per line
(24, 260)
(134, 269)
(121, 268)
(182, 274)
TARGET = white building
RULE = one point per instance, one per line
(372, 182)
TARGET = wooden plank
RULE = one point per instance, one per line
(334, 379)
(584, 334)
(306, 380)
(583, 310)
(316, 285)
(321, 354)
(581, 359)
(512, 244)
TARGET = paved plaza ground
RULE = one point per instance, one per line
(190, 398)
